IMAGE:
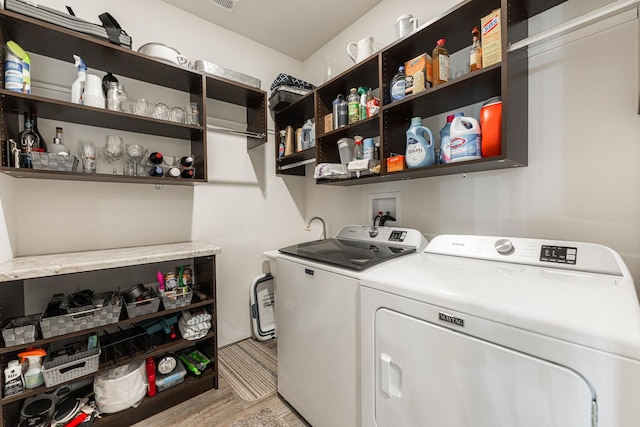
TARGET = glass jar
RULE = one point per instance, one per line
(116, 96)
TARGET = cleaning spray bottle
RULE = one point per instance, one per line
(33, 376)
(78, 85)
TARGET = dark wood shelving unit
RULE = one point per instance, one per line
(294, 115)
(55, 42)
(13, 302)
(507, 79)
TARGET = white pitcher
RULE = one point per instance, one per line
(364, 49)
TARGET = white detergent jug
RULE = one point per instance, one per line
(466, 140)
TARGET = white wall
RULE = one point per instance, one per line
(580, 183)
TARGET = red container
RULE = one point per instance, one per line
(491, 125)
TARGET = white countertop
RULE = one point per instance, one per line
(29, 267)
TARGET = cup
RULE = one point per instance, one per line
(329, 63)
(177, 115)
(160, 111)
(192, 114)
(405, 25)
(141, 107)
(88, 155)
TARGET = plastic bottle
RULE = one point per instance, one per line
(306, 134)
(353, 101)
(13, 379)
(77, 88)
(336, 102)
(369, 148)
(398, 83)
(358, 149)
(420, 152)
(363, 101)
(343, 112)
(440, 63)
(33, 377)
(445, 140)
(466, 139)
(475, 55)
(282, 143)
(491, 126)
(58, 146)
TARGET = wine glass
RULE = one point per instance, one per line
(113, 150)
(135, 153)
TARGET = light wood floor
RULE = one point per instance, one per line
(223, 407)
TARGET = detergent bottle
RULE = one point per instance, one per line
(466, 139)
(33, 376)
(420, 152)
(78, 85)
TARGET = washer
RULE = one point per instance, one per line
(489, 331)
(317, 294)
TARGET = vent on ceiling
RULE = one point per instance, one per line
(227, 5)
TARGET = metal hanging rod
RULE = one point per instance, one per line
(214, 128)
(605, 12)
(295, 165)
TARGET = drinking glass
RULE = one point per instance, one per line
(135, 153)
(113, 150)
(88, 154)
(177, 115)
(141, 107)
(160, 111)
(192, 114)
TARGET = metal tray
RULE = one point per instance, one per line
(217, 70)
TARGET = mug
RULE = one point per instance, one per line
(405, 25)
(364, 49)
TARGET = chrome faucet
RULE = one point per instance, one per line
(324, 226)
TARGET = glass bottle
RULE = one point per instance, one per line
(29, 140)
(58, 146)
(186, 161)
(155, 158)
(34, 125)
(353, 105)
(188, 173)
(343, 112)
(398, 85)
(475, 55)
(440, 64)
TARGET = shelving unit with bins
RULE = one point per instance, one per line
(55, 42)
(507, 79)
(112, 266)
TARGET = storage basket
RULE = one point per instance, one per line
(81, 320)
(181, 300)
(53, 162)
(63, 369)
(21, 330)
(146, 306)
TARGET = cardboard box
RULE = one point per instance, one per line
(491, 38)
(395, 163)
(328, 123)
(416, 73)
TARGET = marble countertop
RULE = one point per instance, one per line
(29, 267)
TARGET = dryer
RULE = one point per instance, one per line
(489, 331)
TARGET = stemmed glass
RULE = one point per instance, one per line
(113, 150)
(135, 153)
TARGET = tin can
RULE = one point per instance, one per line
(170, 281)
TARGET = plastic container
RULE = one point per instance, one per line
(397, 86)
(306, 134)
(369, 148)
(14, 57)
(445, 137)
(63, 369)
(466, 139)
(77, 88)
(345, 149)
(491, 126)
(420, 152)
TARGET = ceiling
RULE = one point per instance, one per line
(297, 28)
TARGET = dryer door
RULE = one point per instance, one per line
(427, 375)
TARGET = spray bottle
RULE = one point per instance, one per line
(78, 85)
(33, 377)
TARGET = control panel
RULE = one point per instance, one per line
(577, 256)
(405, 237)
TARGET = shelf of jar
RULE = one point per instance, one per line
(53, 109)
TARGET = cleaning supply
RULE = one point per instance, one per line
(369, 148)
(358, 149)
(398, 84)
(353, 105)
(306, 134)
(445, 138)
(13, 379)
(491, 124)
(33, 376)
(363, 101)
(420, 152)
(466, 139)
(77, 88)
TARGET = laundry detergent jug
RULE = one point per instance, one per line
(420, 152)
(466, 140)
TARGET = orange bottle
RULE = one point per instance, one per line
(491, 127)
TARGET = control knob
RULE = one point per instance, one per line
(504, 247)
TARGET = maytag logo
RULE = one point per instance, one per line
(450, 319)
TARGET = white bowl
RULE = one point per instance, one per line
(164, 52)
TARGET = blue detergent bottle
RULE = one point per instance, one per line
(420, 152)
